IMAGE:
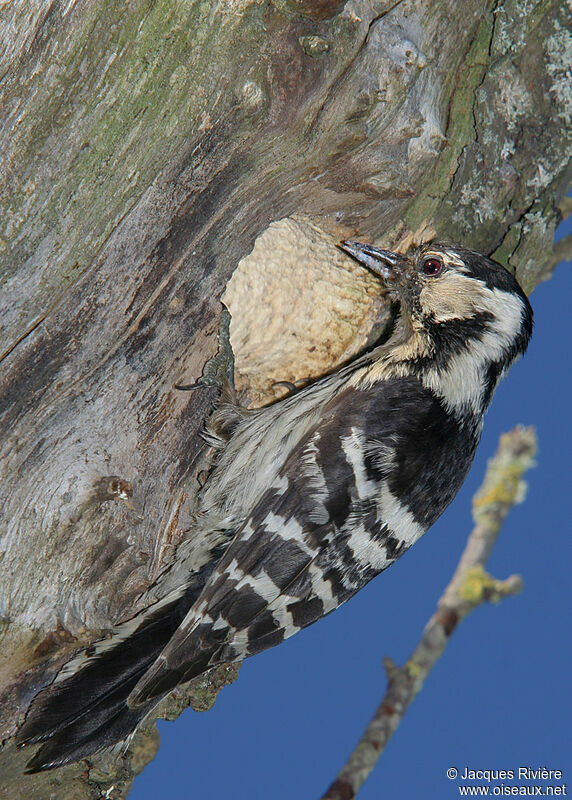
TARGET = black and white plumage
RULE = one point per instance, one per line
(311, 497)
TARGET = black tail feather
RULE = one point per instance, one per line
(88, 711)
(113, 670)
(82, 738)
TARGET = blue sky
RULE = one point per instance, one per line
(500, 697)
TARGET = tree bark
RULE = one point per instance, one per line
(145, 147)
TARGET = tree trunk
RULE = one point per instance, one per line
(145, 147)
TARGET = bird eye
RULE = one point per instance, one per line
(432, 266)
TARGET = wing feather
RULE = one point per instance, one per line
(295, 558)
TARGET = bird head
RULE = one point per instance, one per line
(450, 291)
(465, 319)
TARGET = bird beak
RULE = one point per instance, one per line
(384, 263)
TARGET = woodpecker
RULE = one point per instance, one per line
(309, 498)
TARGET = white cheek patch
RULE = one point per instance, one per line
(462, 382)
(507, 309)
(453, 296)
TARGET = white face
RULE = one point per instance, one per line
(463, 382)
(453, 295)
(443, 288)
(464, 320)
(447, 296)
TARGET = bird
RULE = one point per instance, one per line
(309, 498)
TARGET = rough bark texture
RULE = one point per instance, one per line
(145, 146)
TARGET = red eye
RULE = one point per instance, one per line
(432, 266)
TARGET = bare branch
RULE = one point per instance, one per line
(470, 587)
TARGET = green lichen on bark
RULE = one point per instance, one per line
(493, 185)
(124, 89)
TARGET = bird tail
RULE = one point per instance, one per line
(85, 710)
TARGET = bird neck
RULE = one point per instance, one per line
(462, 370)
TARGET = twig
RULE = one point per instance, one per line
(470, 587)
